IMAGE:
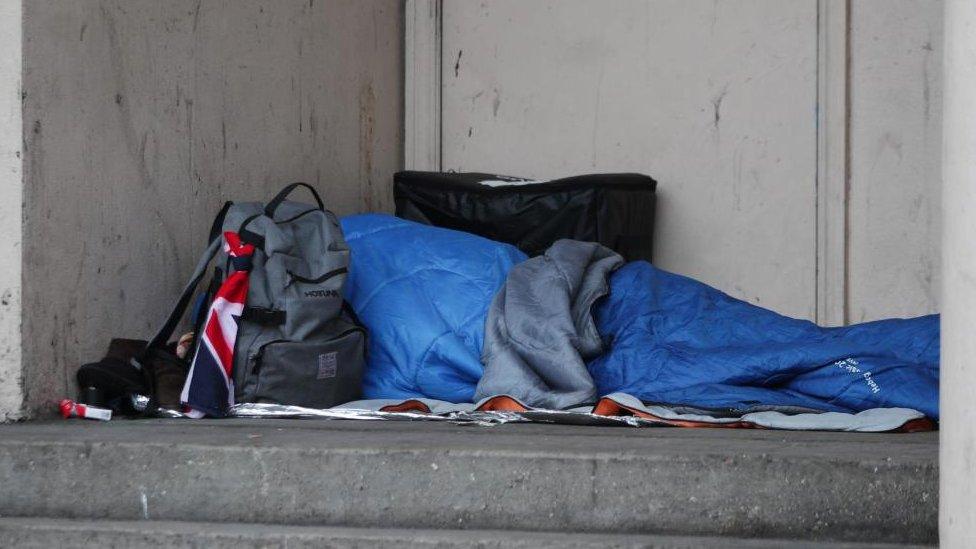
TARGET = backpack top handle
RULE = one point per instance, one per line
(269, 210)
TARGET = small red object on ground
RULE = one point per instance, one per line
(70, 408)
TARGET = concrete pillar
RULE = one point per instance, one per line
(11, 212)
(957, 517)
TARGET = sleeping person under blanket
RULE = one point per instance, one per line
(425, 294)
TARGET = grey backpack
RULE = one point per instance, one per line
(298, 343)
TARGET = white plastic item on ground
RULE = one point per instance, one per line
(70, 408)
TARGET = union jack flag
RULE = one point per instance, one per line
(209, 387)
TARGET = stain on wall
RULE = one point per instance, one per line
(142, 117)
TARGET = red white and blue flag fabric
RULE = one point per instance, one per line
(209, 387)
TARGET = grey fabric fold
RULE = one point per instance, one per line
(540, 331)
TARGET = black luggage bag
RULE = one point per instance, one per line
(616, 210)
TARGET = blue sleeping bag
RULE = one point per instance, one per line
(424, 292)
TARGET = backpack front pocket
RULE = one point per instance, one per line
(312, 302)
(310, 374)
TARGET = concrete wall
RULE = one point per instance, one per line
(142, 116)
(896, 158)
(10, 210)
(719, 101)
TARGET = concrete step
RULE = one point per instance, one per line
(30, 533)
(528, 477)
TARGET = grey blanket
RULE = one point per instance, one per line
(540, 329)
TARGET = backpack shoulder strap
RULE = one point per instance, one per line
(213, 244)
(164, 333)
(157, 344)
(218, 222)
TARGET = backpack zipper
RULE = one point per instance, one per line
(321, 279)
(259, 356)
